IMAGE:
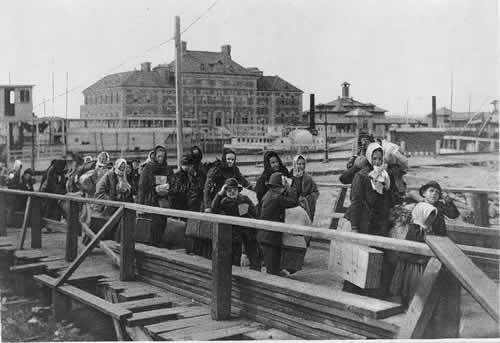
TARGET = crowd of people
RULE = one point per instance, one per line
(379, 204)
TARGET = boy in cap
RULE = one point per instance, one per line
(277, 199)
(230, 202)
(432, 194)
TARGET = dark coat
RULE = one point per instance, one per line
(308, 192)
(369, 210)
(261, 187)
(216, 177)
(106, 190)
(444, 208)
(229, 206)
(186, 191)
(274, 204)
(55, 181)
(147, 182)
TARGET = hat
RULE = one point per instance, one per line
(275, 180)
(233, 183)
(429, 184)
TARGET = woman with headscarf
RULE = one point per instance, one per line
(54, 182)
(272, 164)
(154, 184)
(198, 178)
(369, 210)
(14, 175)
(304, 185)
(73, 173)
(114, 185)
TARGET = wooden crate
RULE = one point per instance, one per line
(360, 265)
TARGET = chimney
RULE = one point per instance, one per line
(226, 50)
(183, 46)
(146, 66)
(312, 124)
(345, 89)
(434, 116)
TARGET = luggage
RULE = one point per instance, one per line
(174, 234)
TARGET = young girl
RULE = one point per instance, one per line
(410, 267)
(432, 195)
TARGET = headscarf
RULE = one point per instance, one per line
(101, 155)
(420, 214)
(296, 172)
(379, 177)
(87, 159)
(199, 156)
(17, 165)
(225, 152)
(267, 163)
(123, 184)
(155, 150)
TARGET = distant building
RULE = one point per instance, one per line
(217, 93)
(16, 102)
(345, 116)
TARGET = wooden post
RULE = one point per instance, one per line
(127, 246)
(36, 224)
(480, 209)
(3, 215)
(73, 228)
(178, 90)
(24, 228)
(438, 146)
(221, 272)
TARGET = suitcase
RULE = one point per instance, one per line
(174, 234)
(143, 232)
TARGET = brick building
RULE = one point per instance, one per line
(217, 93)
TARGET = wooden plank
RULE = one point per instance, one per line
(127, 246)
(147, 304)
(113, 310)
(108, 296)
(30, 255)
(3, 215)
(135, 294)
(73, 229)
(102, 244)
(138, 334)
(210, 331)
(156, 329)
(423, 303)
(36, 224)
(155, 316)
(480, 209)
(24, 228)
(108, 226)
(31, 267)
(54, 225)
(470, 276)
(221, 272)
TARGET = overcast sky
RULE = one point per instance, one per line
(390, 51)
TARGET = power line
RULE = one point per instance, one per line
(82, 84)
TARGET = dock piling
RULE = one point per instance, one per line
(221, 271)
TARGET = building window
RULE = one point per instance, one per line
(244, 120)
(117, 98)
(25, 95)
(12, 97)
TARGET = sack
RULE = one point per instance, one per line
(193, 228)
(174, 233)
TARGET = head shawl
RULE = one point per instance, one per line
(379, 177)
(296, 172)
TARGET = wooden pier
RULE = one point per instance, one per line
(148, 293)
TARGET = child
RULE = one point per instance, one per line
(410, 267)
(230, 202)
(432, 194)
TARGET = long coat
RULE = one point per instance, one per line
(308, 194)
(106, 190)
(274, 204)
(261, 187)
(369, 210)
(147, 182)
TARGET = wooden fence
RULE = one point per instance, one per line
(448, 266)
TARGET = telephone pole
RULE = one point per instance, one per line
(178, 90)
(326, 137)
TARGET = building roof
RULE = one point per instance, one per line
(442, 111)
(136, 78)
(208, 62)
(16, 86)
(275, 83)
(358, 112)
(342, 104)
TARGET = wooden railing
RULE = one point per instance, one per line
(484, 291)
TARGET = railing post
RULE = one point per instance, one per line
(438, 146)
(221, 271)
(73, 227)
(480, 208)
(127, 246)
(3, 215)
(36, 223)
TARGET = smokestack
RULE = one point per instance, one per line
(434, 117)
(183, 46)
(345, 89)
(312, 124)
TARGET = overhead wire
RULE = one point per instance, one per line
(156, 46)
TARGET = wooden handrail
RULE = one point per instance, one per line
(321, 233)
(450, 189)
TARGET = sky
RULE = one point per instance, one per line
(395, 53)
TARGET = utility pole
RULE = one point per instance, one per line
(65, 122)
(178, 90)
(53, 97)
(326, 137)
